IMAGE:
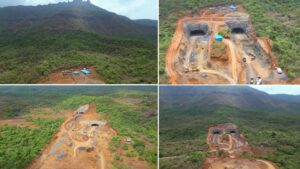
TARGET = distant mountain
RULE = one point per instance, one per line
(245, 98)
(77, 15)
(147, 22)
(287, 98)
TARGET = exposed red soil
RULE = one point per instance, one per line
(83, 141)
(60, 77)
(237, 163)
(226, 138)
(233, 71)
(66, 141)
(19, 122)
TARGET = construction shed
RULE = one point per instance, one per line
(232, 7)
(76, 73)
(85, 71)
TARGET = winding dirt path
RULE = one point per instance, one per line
(269, 164)
(233, 58)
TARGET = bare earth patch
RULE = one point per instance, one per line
(60, 77)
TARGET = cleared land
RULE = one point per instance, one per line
(61, 77)
(77, 127)
(195, 56)
(226, 143)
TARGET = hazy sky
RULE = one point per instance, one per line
(134, 9)
(286, 89)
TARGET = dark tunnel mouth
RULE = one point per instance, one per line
(237, 31)
(95, 125)
(216, 132)
(197, 33)
(233, 131)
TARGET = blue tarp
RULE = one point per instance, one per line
(76, 73)
(232, 7)
(85, 71)
(218, 37)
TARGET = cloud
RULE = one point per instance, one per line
(134, 9)
(277, 89)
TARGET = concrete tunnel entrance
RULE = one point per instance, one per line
(216, 132)
(233, 131)
(238, 31)
(197, 33)
(197, 29)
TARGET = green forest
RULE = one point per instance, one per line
(116, 59)
(274, 19)
(20, 145)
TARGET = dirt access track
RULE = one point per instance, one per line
(61, 77)
(82, 142)
(226, 144)
(196, 57)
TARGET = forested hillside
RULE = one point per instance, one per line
(36, 41)
(274, 19)
(17, 101)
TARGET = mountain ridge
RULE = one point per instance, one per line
(241, 97)
(82, 16)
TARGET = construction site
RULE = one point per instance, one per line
(74, 75)
(82, 142)
(226, 145)
(219, 46)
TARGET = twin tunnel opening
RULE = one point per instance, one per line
(202, 30)
(218, 132)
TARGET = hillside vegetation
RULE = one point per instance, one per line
(36, 41)
(19, 100)
(20, 145)
(184, 125)
(274, 19)
(117, 60)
